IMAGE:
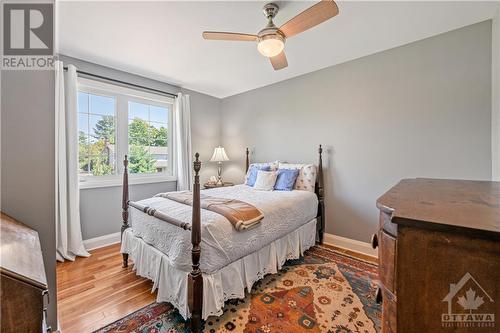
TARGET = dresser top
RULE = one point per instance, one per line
(445, 203)
(20, 252)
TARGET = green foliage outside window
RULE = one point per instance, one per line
(96, 153)
(140, 160)
(105, 129)
(141, 136)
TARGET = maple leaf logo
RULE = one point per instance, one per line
(470, 301)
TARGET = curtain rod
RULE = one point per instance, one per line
(123, 82)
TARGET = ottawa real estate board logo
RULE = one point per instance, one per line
(28, 36)
(469, 305)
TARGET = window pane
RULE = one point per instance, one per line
(138, 110)
(102, 105)
(102, 128)
(140, 160)
(96, 135)
(138, 132)
(83, 165)
(148, 133)
(158, 135)
(158, 114)
(83, 102)
(160, 158)
(83, 143)
(101, 165)
(83, 123)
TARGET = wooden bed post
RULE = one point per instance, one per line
(319, 189)
(125, 201)
(195, 285)
(247, 162)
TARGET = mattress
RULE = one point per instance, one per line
(284, 212)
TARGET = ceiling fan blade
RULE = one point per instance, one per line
(217, 35)
(279, 61)
(310, 17)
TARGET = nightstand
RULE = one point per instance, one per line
(214, 185)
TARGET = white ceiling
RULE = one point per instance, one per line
(162, 40)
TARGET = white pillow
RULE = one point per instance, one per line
(265, 180)
(306, 178)
(272, 165)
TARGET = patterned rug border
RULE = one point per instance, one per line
(152, 305)
(353, 261)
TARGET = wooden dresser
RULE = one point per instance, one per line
(23, 284)
(439, 256)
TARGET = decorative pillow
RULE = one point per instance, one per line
(265, 180)
(306, 178)
(252, 173)
(272, 166)
(286, 179)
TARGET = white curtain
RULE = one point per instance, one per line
(182, 143)
(69, 243)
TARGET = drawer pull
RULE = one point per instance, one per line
(378, 295)
(46, 293)
(374, 241)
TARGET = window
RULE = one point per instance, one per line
(96, 134)
(114, 121)
(148, 138)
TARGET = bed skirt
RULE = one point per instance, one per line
(227, 283)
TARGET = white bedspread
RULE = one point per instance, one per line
(284, 211)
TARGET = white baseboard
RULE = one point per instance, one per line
(350, 244)
(330, 239)
(102, 241)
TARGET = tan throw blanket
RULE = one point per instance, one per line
(242, 215)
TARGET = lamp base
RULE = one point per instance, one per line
(219, 173)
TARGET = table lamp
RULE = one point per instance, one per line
(219, 156)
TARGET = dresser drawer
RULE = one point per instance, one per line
(389, 312)
(387, 260)
(386, 223)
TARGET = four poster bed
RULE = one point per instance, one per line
(232, 259)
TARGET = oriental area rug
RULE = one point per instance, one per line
(324, 291)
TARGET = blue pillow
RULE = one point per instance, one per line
(286, 179)
(252, 174)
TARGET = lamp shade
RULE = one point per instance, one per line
(219, 155)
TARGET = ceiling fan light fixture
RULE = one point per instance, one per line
(271, 45)
(271, 39)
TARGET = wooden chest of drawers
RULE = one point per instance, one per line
(439, 256)
(23, 285)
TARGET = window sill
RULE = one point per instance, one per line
(118, 181)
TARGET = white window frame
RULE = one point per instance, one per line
(122, 96)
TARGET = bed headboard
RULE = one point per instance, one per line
(318, 189)
(247, 162)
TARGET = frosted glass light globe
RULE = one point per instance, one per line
(270, 46)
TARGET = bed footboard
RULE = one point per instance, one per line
(195, 283)
(125, 203)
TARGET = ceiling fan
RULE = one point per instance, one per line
(271, 39)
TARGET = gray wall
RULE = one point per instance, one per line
(100, 208)
(28, 160)
(419, 110)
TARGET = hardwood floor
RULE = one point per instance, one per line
(96, 291)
